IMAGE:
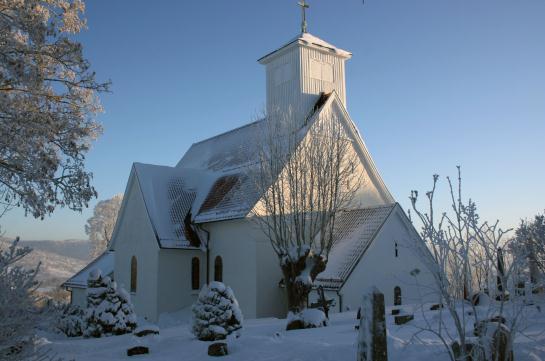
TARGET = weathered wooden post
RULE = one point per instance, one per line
(372, 344)
(501, 272)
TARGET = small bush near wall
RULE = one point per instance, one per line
(216, 313)
(109, 310)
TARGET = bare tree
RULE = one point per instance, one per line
(48, 103)
(469, 264)
(307, 175)
(100, 226)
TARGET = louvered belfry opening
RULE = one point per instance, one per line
(134, 274)
(218, 269)
(195, 273)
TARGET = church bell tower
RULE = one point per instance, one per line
(300, 70)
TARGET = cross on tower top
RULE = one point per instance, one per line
(303, 6)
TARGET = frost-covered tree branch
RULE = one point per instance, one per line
(100, 226)
(529, 245)
(474, 275)
(48, 103)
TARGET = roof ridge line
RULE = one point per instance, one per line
(388, 205)
(229, 131)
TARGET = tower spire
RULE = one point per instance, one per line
(303, 6)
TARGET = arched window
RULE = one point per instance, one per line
(218, 269)
(134, 273)
(397, 296)
(195, 277)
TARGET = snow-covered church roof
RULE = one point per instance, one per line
(168, 196)
(355, 231)
(311, 41)
(212, 182)
(223, 162)
(104, 262)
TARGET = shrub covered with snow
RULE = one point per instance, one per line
(18, 312)
(308, 318)
(109, 310)
(71, 321)
(216, 313)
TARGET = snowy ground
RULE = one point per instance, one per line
(266, 339)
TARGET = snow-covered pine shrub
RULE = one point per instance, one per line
(71, 321)
(216, 313)
(109, 310)
(18, 312)
(308, 318)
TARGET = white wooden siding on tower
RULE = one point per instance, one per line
(299, 71)
(280, 96)
(311, 85)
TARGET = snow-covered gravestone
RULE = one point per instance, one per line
(216, 313)
(372, 332)
(109, 310)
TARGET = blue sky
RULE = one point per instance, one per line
(431, 84)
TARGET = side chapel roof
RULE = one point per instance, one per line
(355, 231)
(104, 262)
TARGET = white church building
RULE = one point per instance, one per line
(184, 225)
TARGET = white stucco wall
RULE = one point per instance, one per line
(134, 236)
(250, 267)
(271, 299)
(235, 242)
(78, 297)
(174, 288)
(379, 267)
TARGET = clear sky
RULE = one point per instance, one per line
(431, 84)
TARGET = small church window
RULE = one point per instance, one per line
(218, 269)
(134, 270)
(195, 277)
(397, 296)
(396, 250)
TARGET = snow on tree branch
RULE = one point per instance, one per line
(307, 174)
(100, 226)
(48, 103)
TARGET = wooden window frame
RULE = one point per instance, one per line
(218, 269)
(195, 273)
(134, 274)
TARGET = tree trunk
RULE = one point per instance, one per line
(299, 276)
(532, 263)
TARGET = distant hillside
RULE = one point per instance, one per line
(59, 259)
(73, 248)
